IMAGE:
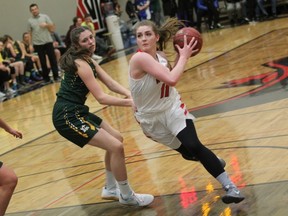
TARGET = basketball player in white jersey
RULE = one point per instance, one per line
(162, 115)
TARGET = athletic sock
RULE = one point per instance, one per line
(125, 189)
(110, 180)
(224, 179)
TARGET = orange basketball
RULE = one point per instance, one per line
(190, 33)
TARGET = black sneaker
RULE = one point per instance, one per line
(58, 79)
(46, 82)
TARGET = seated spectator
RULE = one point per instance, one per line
(29, 54)
(10, 60)
(208, 8)
(7, 73)
(23, 65)
(76, 23)
(102, 49)
(234, 11)
(88, 22)
(59, 48)
(58, 43)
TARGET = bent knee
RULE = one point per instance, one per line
(9, 179)
(12, 179)
(118, 148)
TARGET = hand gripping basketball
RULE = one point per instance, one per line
(190, 33)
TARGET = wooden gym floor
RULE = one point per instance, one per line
(236, 87)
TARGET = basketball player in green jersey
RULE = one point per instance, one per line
(72, 119)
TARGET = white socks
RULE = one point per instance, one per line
(110, 180)
(124, 186)
(125, 189)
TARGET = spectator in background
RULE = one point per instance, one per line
(244, 12)
(40, 27)
(274, 8)
(58, 43)
(208, 8)
(155, 9)
(8, 179)
(29, 53)
(261, 12)
(102, 49)
(77, 21)
(59, 48)
(131, 11)
(14, 53)
(143, 9)
(13, 48)
(185, 12)
(88, 23)
(16, 67)
(234, 11)
(117, 8)
(169, 8)
(250, 6)
(7, 73)
(107, 7)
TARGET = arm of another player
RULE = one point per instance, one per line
(86, 74)
(10, 130)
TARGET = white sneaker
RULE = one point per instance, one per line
(111, 194)
(2, 97)
(96, 57)
(10, 91)
(137, 199)
(2, 94)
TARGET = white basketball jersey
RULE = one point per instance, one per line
(151, 95)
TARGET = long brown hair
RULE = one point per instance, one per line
(165, 31)
(67, 60)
